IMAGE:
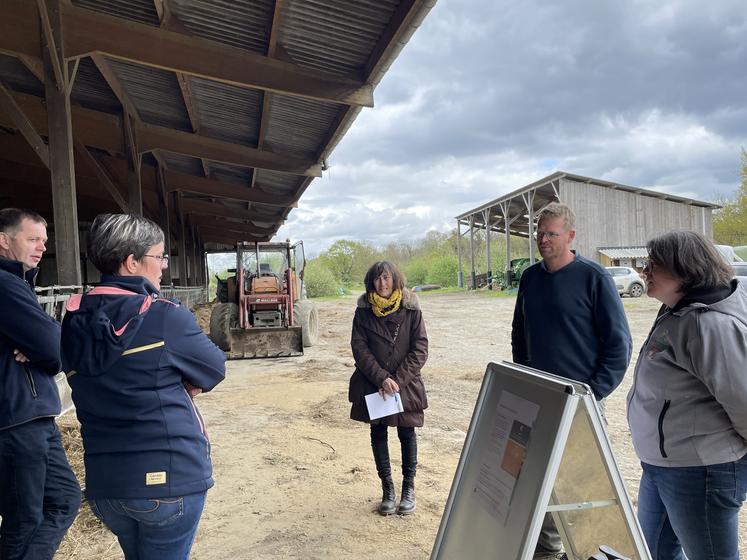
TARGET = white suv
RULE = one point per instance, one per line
(627, 281)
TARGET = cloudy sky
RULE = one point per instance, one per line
(490, 95)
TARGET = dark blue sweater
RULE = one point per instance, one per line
(572, 323)
(27, 391)
(142, 434)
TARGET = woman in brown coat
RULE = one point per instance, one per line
(390, 347)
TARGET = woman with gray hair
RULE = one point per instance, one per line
(687, 408)
(134, 362)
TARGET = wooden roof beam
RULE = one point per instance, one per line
(176, 181)
(240, 227)
(153, 137)
(23, 124)
(104, 131)
(192, 206)
(87, 32)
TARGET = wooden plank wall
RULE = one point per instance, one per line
(607, 217)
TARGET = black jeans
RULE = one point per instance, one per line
(380, 445)
(39, 494)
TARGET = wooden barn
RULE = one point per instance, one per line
(613, 221)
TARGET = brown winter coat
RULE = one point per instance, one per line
(378, 356)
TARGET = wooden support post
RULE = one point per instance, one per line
(134, 161)
(529, 201)
(460, 274)
(472, 251)
(67, 242)
(486, 219)
(195, 256)
(163, 207)
(507, 226)
(182, 240)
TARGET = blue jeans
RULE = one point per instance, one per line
(39, 494)
(152, 529)
(692, 511)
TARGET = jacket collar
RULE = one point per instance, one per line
(16, 268)
(409, 300)
(137, 284)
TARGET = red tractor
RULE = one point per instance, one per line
(262, 310)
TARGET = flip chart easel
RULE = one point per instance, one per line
(536, 444)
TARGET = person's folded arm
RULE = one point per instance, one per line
(201, 363)
(30, 330)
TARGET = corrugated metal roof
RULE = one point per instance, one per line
(230, 173)
(16, 76)
(278, 183)
(91, 90)
(335, 36)
(142, 11)
(154, 93)
(298, 126)
(244, 24)
(185, 164)
(227, 112)
(624, 252)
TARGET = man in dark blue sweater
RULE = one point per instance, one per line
(39, 495)
(569, 321)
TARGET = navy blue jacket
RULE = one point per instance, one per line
(142, 434)
(27, 391)
(572, 323)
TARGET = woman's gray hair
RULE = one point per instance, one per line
(114, 237)
(691, 258)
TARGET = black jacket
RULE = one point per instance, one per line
(27, 391)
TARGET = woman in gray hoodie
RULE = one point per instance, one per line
(687, 408)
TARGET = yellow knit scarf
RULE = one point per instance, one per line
(385, 306)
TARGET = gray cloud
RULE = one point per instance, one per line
(491, 95)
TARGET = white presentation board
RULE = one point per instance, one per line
(535, 439)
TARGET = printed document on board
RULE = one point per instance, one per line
(501, 463)
(378, 407)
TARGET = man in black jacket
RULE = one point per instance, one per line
(39, 495)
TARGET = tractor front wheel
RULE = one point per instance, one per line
(222, 319)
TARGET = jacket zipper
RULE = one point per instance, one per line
(200, 422)
(661, 427)
(640, 353)
(30, 379)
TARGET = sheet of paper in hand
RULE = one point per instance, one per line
(378, 407)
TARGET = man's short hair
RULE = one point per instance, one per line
(11, 218)
(559, 210)
(114, 237)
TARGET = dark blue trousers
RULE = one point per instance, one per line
(39, 494)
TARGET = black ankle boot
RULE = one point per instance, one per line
(407, 499)
(387, 507)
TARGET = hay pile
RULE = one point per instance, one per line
(87, 538)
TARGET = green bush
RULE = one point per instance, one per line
(320, 281)
(416, 272)
(443, 271)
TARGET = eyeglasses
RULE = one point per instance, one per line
(650, 267)
(162, 259)
(549, 234)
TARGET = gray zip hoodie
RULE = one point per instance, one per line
(688, 403)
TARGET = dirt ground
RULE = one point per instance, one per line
(295, 477)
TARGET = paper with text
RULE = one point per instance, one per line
(504, 456)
